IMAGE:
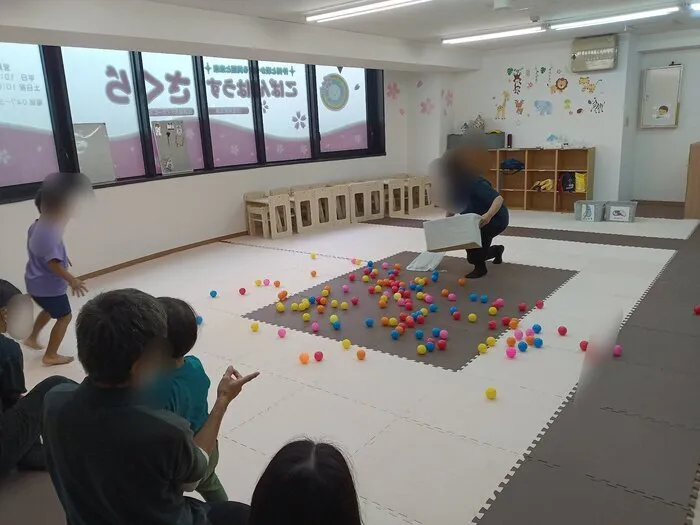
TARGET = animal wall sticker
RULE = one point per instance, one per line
(519, 106)
(587, 86)
(559, 86)
(501, 108)
(597, 106)
(543, 107)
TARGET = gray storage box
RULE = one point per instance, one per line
(589, 211)
(620, 211)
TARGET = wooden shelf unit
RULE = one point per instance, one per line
(540, 164)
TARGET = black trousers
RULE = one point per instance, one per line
(479, 256)
(228, 513)
(20, 426)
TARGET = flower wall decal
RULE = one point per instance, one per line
(427, 106)
(392, 91)
(299, 120)
(449, 98)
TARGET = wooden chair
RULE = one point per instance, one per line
(257, 213)
(280, 215)
(306, 211)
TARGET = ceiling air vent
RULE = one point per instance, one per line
(595, 53)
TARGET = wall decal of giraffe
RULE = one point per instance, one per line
(501, 108)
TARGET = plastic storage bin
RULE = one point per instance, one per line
(620, 211)
(589, 211)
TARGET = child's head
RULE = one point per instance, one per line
(306, 483)
(16, 311)
(182, 325)
(59, 193)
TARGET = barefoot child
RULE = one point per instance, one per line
(46, 276)
(184, 388)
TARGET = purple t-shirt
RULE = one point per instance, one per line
(44, 244)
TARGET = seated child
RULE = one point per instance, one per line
(184, 388)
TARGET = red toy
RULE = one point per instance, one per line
(539, 304)
(492, 325)
(522, 307)
(505, 321)
(562, 330)
(442, 344)
(352, 277)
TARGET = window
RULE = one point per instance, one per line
(342, 108)
(230, 111)
(285, 106)
(170, 90)
(101, 90)
(27, 148)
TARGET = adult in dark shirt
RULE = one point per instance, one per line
(468, 192)
(112, 461)
(20, 415)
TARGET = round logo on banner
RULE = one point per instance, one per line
(334, 92)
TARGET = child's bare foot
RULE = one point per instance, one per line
(33, 344)
(57, 359)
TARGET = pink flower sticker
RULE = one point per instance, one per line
(427, 106)
(402, 112)
(392, 91)
(449, 98)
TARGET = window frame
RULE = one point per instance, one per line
(66, 152)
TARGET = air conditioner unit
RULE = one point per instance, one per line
(595, 53)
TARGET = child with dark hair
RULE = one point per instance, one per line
(46, 276)
(183, 389)
(306, 483)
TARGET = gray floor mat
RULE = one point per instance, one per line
(673, 352)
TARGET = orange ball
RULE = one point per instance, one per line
(361, 354)
(323, 301)
(445, 292)
(327, 287)
(313, 273)
(462, 281)
(402, 284)
(397, 267)
(511, 341)
(514, 324)
(320, 308)
(382, 304)
(277, 284)
(400, 330)
(385, 321)
(530, 340)
(303, 358)
(282, 295)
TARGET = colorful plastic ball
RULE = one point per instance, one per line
(346, 344)
(318, 356)
(539, 304)
(522, 346)
(452, 297)
(377, 289)
(266, 282)
(445, 292)
(395, 335)
(409, 305)
(306, 317)
(436, 332)
(345, 288)
(258, 282)
(513, 324)
(352, 277)
(355, 301)
(361, 354)
(427, 298)
(505, 321)
(456, 316)
(369, 322)
(280, 307)
(254, 327)
(199, 319)
(529, 332)
(617, 351)
(434, 278)
(461, 281)
(344, 305)
(313, 273)
(313, 255)
(277, 284)
(333, 318)
(366, 271)
(420, 296)
(365, 278)
(518, 334)
(491, 393)
(444, 334)
(213, 293)
(453, 309)
(336, 325)
(282, 296)
(472, 318)
(491, 341)
(401, 329)
(484, 299)
(397, 267)
(419, 288)
(304, 358)
(522, 307)
(401, 302)
(419, 334)
(410, 322)
(412, 286)
(312, 300)
(242, 291)
(536, 328)
(493, 310)
(334, 303)
(492, 325)
(499, 303)
(393, 321)
(538, 342)
(433, 308)
(315, 327)
(562, 330)
(530, 340)
(430, 345)
(482, 348)
(385, 321)
(353, 260)
(583, 345)
(697, 310)
(424, 311)
(420, 319)
(385, 265)
(510, 352)
(370, 263)
(282, 333)
(422, 349)
(511, 341)
(442, 344)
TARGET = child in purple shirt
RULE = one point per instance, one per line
(46, 276)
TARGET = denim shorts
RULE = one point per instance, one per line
(56, 307)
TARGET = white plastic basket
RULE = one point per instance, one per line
(589, 211)
(620, 211)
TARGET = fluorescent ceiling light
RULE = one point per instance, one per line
(376, 7)
(695, 7)
(493, 36)
(617, 19)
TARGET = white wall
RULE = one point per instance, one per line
(481, 91)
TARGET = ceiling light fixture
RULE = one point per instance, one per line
(617, 19)
(493, 36)
(376, 7)
(695, 7)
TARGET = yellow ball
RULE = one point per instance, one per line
(493, 310)
(397, 296)
(254, 327)
(393, 321)
(333, 318)
(482, 348)
(424, 311)
(344, 305)
(295, 307)
(347, 344)
(358, 262)
(365, 278)
(471, 318)
(306, 317)
(491, 393)
(325, 293)
(422, 350)
(424, 281)
(313, 255)
(416, 280)
(280, 307)
(420, 296)
(491, 341)
(377, 289)
(258, 282)
(334, 303)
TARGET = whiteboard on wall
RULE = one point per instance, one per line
(661, 97)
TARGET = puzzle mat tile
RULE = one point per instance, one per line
(239, 469)
(513, 282)
(428, 475)
(541, 494)
(315, 414)
(655, 458)
(375, 514)
(673, 352)
(669, 310)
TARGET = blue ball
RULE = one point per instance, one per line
(369, 322)
(419, 334)
(395, 335)
(453, 309)
(412, 286)
(436, 332)
(336, 325)
(522, 346)
(536, 328)
(538, 342)
(199, 320)
(213, 293)
(430, 346)
(473, 297)
(433, 308)
(370, 263)
(415, 314)
(419, 288)
(484, 299)
(312, 299)
(391, 273)
(434, 278)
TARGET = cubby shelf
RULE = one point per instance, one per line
(540, 164)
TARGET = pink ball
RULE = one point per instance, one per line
(282, 333)
(353, 260)
(346, 288)
(315, 327)
(387, 294)
(444, 334)
(366, 271)
(241, 291)
(617, 351)
(518, 334)
(492, 325)
(385, 265)
(266, 282)
(583, 345)
(510, 352)
(499, 303)
(562, 330)
(428, 299)
(452, 297)
(401, 302)
(529, 332)
(318, 356)
(354, 301)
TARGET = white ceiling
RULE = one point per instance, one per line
(432, 21)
